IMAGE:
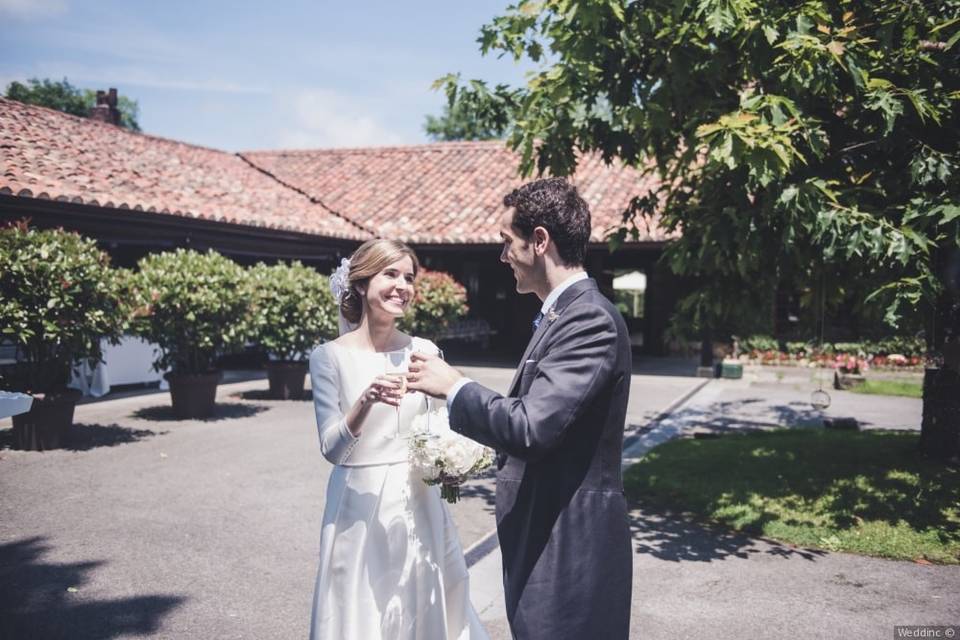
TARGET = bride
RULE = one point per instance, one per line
(391, 565)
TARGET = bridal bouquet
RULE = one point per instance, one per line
(444, 457)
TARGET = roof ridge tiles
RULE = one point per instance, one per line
(306, 195)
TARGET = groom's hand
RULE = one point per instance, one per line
(431, 375)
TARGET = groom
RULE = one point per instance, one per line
(561, 513)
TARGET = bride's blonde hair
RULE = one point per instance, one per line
(372, 257)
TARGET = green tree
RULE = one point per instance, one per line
(458, 123)
(793, 140)
(63, 96)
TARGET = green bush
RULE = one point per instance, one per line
(758, 343)
(193, 305)
(853, 348)
(439, 300)
(902, 345)
(799, 348)
(291, 309)
(58, 299)
(908, 346)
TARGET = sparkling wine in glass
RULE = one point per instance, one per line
(396, 368)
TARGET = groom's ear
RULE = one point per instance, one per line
(540, 240)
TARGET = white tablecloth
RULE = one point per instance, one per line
(12, 404)
(130, 362)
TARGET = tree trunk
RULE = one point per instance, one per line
(706, 347)
(940, 429)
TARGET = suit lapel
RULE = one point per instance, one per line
(534, 340)
(573, 292)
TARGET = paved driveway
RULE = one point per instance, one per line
(153, 527)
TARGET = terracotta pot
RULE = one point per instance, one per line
(45, 425)
(286, 379)
(194, 395)
(845, 381)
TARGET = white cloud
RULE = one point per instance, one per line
(32, 8)
(322, 118)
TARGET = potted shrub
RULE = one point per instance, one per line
(439, 299)
(58, 299)
(194, 307)
(291, 311)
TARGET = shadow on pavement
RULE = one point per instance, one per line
(678, 538)
(264, 394)
(83, 437)
(35, 601)
(737, 415)
(223, 411)
(482, 487)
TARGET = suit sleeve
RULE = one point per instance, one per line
(336, 441)
(578, 363)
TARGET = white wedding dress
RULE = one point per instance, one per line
(391, 565)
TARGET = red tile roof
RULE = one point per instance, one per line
(450, 192)
(436, 193)
(48, 154)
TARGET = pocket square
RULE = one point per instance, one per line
(528, 361)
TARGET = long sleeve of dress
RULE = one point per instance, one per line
(336, 441)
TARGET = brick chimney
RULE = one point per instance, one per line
(106, 109)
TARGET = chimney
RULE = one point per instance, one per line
(106, 108)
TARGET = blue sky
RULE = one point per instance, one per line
(254, 75)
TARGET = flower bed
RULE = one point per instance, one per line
(897, 354)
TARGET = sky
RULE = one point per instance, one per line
(254, 75)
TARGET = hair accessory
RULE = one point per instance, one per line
(340, 281)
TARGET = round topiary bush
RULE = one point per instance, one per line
(58, 299)
(194, 307)
(291, 311)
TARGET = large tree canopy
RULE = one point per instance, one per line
(792, 138)
(63, 96)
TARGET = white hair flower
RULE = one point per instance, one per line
(340, 281)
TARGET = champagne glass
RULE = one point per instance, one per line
(427, 400)
(396, 365)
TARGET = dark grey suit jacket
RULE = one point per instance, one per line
(561, 513)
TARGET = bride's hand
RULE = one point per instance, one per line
(386, 389)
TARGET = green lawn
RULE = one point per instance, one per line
(891, 388)
(868, 493)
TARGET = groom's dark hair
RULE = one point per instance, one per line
(555, 205)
